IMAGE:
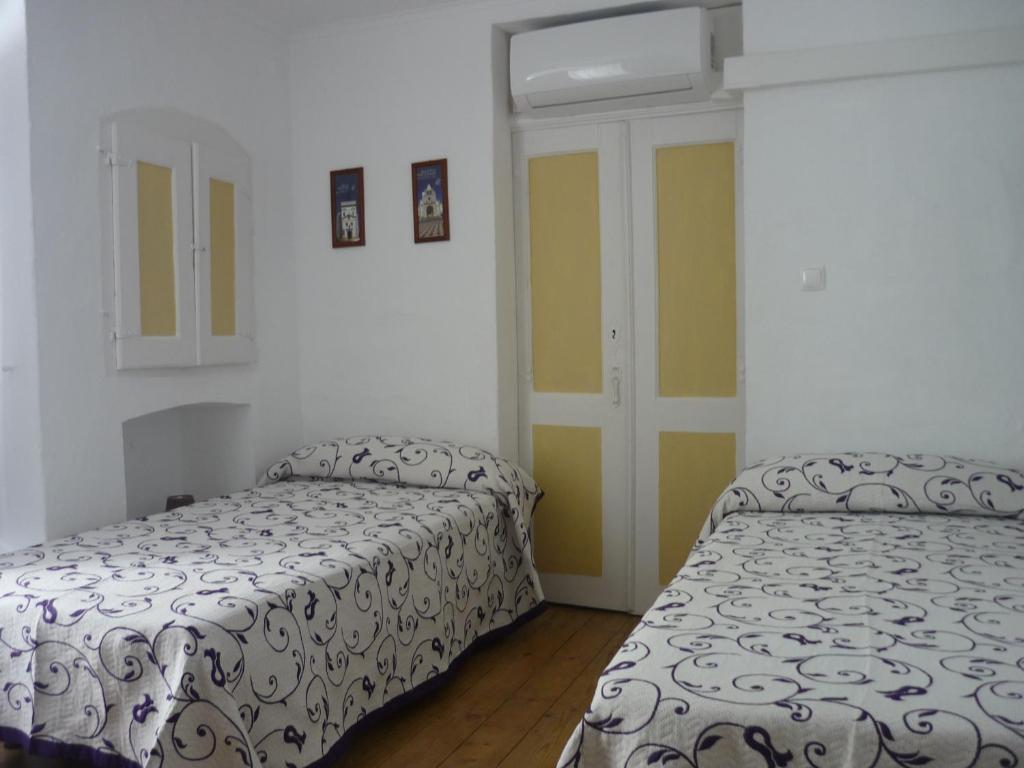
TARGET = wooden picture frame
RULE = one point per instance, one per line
(430, 201)
(348, 222)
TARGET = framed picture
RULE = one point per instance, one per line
(348, 227)
(430, 201)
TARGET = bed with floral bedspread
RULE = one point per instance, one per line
(840, 611)
(256, 629)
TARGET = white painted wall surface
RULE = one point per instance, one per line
(398, 337)
(152, 461)
(90, 58)
(909, 190)
(204, 450)
(21, 474)
(785, 25)
(217, 449)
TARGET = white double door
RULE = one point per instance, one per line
(629, 376)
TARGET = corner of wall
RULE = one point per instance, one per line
(504, 251)
(22, 503)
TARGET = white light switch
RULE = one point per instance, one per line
(812, 279)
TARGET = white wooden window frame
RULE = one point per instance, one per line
(195, 150)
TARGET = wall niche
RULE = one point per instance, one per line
(204, 449)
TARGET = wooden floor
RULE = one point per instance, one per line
(513, 703)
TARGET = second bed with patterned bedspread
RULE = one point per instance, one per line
(844, 611)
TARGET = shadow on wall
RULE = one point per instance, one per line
(204, 449)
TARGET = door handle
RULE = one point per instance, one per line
(616, 386)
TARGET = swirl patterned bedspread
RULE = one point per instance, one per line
(257, 628)
(848, 611)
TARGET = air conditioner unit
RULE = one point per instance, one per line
(646, 59)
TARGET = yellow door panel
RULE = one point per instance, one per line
(567, 526)
(565, 273)
(693, 470)
(696, 271)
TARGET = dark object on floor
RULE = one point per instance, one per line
(181, 500)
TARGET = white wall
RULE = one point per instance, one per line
(394, 338)
(204, 450)
(217, 449)
(21, 475)
(90, 58)
(153, 467)
(783, 25)
(398, 337)
(909, 190)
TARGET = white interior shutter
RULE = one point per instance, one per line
(224, 258)
(154, 281)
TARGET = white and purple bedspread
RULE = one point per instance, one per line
(843, 611)
(258, 628)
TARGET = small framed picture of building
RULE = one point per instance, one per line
(430, 202)
(348, 226)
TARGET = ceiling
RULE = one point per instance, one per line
(295, 16)
(291, 16)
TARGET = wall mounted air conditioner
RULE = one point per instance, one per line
(646, 59)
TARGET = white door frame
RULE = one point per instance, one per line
(702, 124)
(654, 413)
(614, 588)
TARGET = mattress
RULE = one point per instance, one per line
(259, 628)
(814, 625)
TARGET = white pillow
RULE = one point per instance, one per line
(874, 482)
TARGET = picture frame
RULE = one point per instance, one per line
(348, 222)
(431, 203)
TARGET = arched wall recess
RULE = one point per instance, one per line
(177, 210)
